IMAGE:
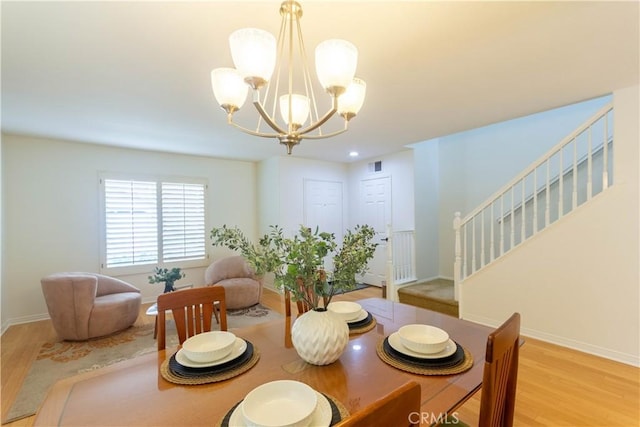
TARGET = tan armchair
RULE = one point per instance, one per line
(242, 287)
(88, 305)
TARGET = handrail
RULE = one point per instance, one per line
(577, 132)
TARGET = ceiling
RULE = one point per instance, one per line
(137, 74)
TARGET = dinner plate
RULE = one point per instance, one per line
(321, 416)
(361, 316)
(396, 344)
(239, 346)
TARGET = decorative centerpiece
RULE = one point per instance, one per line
(166, 276)
(298, 264)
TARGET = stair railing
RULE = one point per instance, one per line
(569, 174)
(401, 259)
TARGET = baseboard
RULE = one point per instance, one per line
(24, 319)
(626, 358)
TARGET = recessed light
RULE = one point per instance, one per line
(353, 154)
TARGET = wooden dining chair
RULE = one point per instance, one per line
(399, 408)
(500, 375)
(301, 305)
(192, 311)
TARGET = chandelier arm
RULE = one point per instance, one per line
(323, 120)
(319, 123)
(268, 120)
(326, 135)
(251, 132)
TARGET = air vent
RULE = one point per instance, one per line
(375, 166)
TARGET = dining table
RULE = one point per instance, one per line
(135, 393)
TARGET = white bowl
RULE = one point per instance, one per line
(423, 338)
(281, 403)
(208, 346)
(345, 309)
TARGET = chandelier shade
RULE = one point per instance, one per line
(254, 54)
(277, 72)
(350, 102)
(294, 109)
(229, 88)
(336, 62)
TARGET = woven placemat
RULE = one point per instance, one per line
(364, 328)
(168, 375)
(339, 412)
(466, 364)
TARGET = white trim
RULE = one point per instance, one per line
(626, 358)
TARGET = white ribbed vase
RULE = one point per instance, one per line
(319, 337)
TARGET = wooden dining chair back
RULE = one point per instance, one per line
(300, 305)
(399, 408)
(497, 402)
(192, 310)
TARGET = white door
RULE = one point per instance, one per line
(375, 210)
(323, 206)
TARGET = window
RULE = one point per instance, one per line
(152, 222)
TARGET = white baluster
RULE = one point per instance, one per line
(574, 193)
(464, 252)
(473, 244)
(501, 224)
(605, 154)
(561, 187)
(589, 165)
(523, 225)
(482, 248)
(547, 196)
(458, 254)
(513, 220)
(535, 201)
(492, 252)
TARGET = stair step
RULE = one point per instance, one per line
(436, 295)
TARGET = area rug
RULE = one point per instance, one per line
(63, 359)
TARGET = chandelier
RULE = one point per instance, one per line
(257, 53)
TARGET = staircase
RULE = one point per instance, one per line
(567, 176)
(436, 295)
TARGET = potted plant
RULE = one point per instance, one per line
(298, 264)
(166, 276)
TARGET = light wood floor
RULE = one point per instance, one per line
(556, 386)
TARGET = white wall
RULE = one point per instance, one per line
(427, 201)
(268, 184)
(51, 217)
(577, 284)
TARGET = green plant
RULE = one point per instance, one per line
(298, 262)
(166, 276)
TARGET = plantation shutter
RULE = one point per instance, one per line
(131, 222)
(183, 223)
